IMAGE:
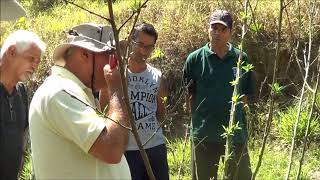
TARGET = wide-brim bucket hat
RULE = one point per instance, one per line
(93, 37)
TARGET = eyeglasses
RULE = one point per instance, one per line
(145, 47)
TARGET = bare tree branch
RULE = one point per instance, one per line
(125, 22)
(305, 139)
(272, 95)
(307, 63)
(133, 13)
(169, 114)
(285, 5)
(70, 2)
(126, 98)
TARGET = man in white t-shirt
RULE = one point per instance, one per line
(70, 139)
(146, 90)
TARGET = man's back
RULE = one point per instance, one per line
(63, 128)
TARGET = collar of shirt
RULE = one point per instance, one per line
(209, 52)
(5, 91)
(64, 73)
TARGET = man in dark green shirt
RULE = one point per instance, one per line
(208, 72)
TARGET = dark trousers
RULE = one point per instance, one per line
(158, 159)
(205, 161)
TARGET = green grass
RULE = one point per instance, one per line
(26, 173)
(274, 164)
(179, 157)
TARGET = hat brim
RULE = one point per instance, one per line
(61, 48)
(11, 10)
(219, 22)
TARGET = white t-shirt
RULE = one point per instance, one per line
(143, 90)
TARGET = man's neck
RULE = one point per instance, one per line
(136, 66)
(6, 79)
(220, 50)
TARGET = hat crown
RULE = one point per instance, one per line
(93, 37)
(222, 17)
(92, 32)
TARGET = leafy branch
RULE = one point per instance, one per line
(232, 127)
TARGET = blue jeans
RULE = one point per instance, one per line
(158, 159)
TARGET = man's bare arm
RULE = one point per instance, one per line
(104, 98)
(112, 142)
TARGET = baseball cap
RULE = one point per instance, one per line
(90, 36)
(221, 17)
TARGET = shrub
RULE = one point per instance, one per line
(179, 155)
(285, 122)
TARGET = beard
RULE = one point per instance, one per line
(25, 77)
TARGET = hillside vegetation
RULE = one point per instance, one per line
(183, 27)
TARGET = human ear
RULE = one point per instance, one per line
(12, 51)
(84, 53)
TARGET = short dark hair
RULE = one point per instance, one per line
(146, 28)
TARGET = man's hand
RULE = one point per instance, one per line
(112, 142)
(113, 79)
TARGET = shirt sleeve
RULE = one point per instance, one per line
(188, 80)
(75, 120)
(248, 82)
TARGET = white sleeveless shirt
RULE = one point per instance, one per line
(143, 90)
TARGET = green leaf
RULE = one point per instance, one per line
(135, 5)
(236, 126)
(21, 24)
(243, 16)
(236, 98)
(277, 89)
(255, 27)
(248, 67)
(234, 82)
(164, 100)
(229, 131)
(157, 53)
